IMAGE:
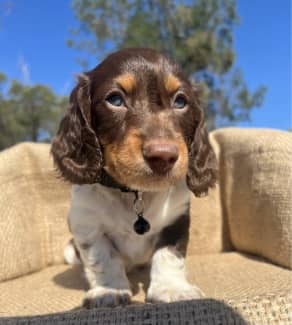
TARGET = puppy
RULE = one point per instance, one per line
(133, 143)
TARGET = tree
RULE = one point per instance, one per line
(28, 112)
(198, 34)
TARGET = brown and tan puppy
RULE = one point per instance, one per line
(133, 132)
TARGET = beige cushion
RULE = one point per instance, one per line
(249, 210)
(231, 277)
(33, 211)
(256, 190)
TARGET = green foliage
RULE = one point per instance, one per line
(198, 34)
(28, 112)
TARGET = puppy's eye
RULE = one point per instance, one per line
(179, 102)
(115, 100)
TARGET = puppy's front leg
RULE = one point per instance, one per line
(105, 272)
(167, 278)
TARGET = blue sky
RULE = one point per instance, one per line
(33, 37)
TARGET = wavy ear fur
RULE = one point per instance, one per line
(75, 148)
(202, 172)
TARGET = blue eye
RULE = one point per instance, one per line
(115, 100)
(180, 102)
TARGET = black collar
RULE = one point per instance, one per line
(108, 181)
(141, 225)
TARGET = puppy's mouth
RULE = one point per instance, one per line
(145, 179)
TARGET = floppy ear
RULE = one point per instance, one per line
(202, 171)
(75, 148)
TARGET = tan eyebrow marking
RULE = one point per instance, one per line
(171, 83)
(127, 81)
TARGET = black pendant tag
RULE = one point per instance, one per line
(141, 225)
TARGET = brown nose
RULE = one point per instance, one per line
(160, 156)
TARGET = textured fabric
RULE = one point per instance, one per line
(209, 226)
(256, 190)
(33, 211)
(271, 310)
(227, 276)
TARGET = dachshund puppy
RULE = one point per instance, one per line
(134, 144)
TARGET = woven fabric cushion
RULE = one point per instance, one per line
(256, 190)
(250, 209)
(231, 277)
(33, 211)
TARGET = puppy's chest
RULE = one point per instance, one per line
(97, 210)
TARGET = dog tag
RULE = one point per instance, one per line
(141, 226)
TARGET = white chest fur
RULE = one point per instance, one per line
(96, 209)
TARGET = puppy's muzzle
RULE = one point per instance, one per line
(160, 156)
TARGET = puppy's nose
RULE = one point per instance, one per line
(160, 156)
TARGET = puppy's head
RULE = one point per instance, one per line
(139, 118)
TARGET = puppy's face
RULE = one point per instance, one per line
(140, 113)
(143, 118)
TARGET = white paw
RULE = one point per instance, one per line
(168, 293)
(106, 297)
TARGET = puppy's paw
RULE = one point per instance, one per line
(171, 293)
(106, 297)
